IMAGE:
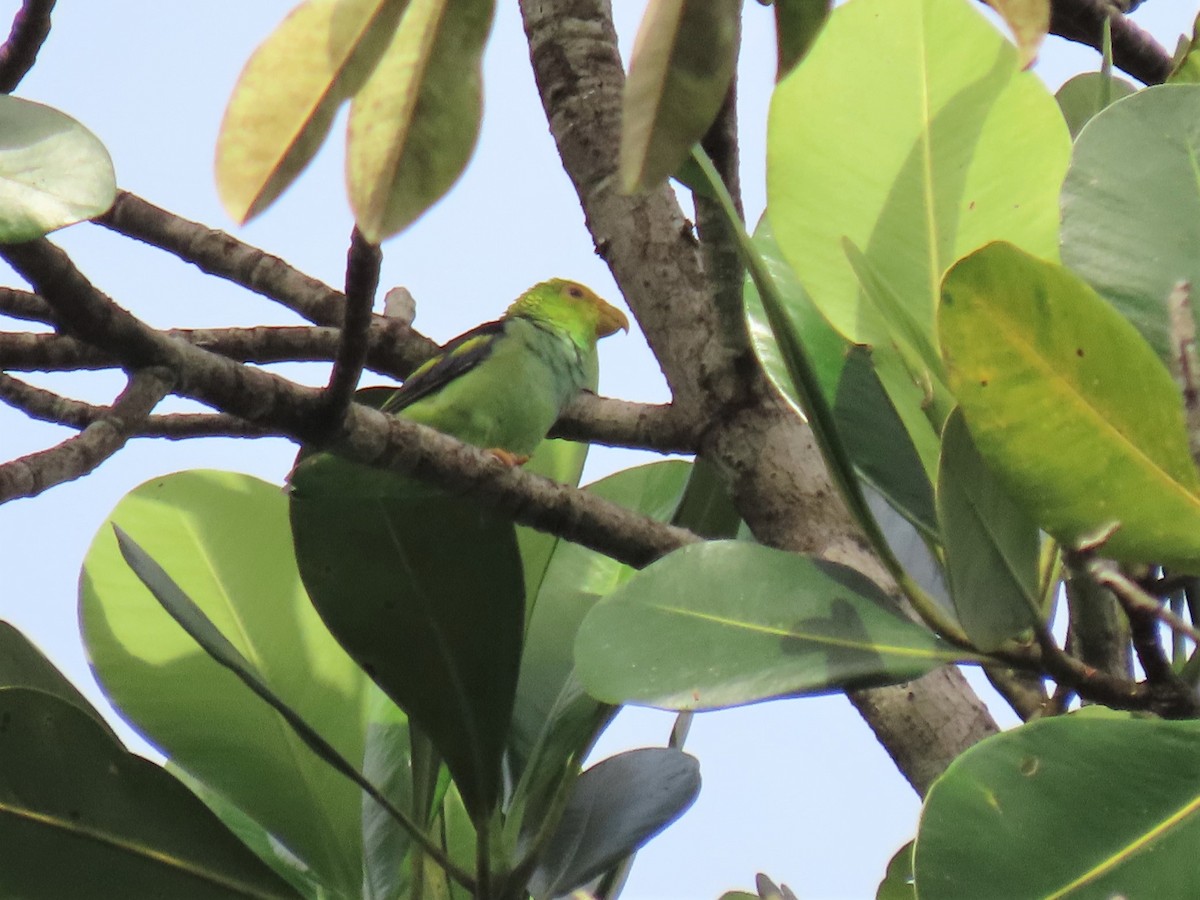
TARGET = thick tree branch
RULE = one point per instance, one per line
(30, 28)
(1133, 49)
(24, 305)
(622, 423)
(31, 475)
(367, 436)
(778, 480)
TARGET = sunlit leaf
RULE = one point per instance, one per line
(414, 124)
(911, 157)
(683, 60)
(287, 95)
(1029, 21)
(726, 623)
(1066, 807)
(53, 171)
(1134, 239)
(81, 817)
(1187, 61)
(1070, 407)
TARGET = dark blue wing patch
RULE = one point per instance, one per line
(459, 355)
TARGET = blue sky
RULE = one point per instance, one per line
(798, 789)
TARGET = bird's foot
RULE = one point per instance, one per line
(511, 460)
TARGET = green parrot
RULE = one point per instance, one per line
(499, 386)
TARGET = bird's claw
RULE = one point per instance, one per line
(511, 460)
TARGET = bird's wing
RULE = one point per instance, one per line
(456, 358)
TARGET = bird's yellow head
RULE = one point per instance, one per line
(571, 306)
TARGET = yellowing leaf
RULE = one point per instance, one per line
(288, 93)
(414, 124)
(680, 72)
(1029, 20)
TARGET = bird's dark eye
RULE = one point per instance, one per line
(575, 292)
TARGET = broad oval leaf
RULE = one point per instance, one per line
(1070, 407)
(911, 156)
(1083, 97)
(290, 90)
(414, 124)
(615, 807)
(223, 538)
(725, 623)
(53, 171)
(682, 64)
(70, 792)
(1078, 806)
(427, 593)
(991, 544)
(1133, 240)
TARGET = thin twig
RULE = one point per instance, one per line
(30, 28)
(362, 280)
(24, 305)
(31, 475)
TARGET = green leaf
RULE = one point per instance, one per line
(414, 124)
(725, 623)
(1070, 806)
(683, 61)
(53, 171)
(426, 592)
(883, 443)
(1134, 239)
(1070, 407)
(1083, 97)
(797, 24)
(80, 817)
(387, 764)
(898, 882)
(290, 90)
(1187, 60)
(224, 539)
(991, 544)
(616, 806)
(706, 507)
(1029, 21)
(911, 157)
(22, 664)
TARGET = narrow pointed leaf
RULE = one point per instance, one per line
(426, 592)
(288, 93)
(223, 539)
(911, 157)
(1070, 407)
(726, 623)
(1029, 22)
(682, 64)
(1133, 240)
(615, 807)
(53, 171)
(797, 24)
(70, 792)
(991, 544)
(1041, 810)
(1187, 59)
(1084, 96)
(414, 124)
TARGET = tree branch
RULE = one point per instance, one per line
(362, 279)
(30, 28)
(24, 305)
(31, 475)
(367, 436)
(1133, 49)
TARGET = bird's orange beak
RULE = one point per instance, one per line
(610, 320)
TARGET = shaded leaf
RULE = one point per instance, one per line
(615, 807)
(682, 64)
(911, 157)
(797, 24)
(898, 882)
(1134, 239)
(1070, 407)
(53, 171)
(1187, 62)
(224, 540)
(991, 544)
(426, 592)
(70, 792)
(725, 623)
(1039, 811)
(414, 124)
(1029, 21)
(290, 90)
(1081, 98)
